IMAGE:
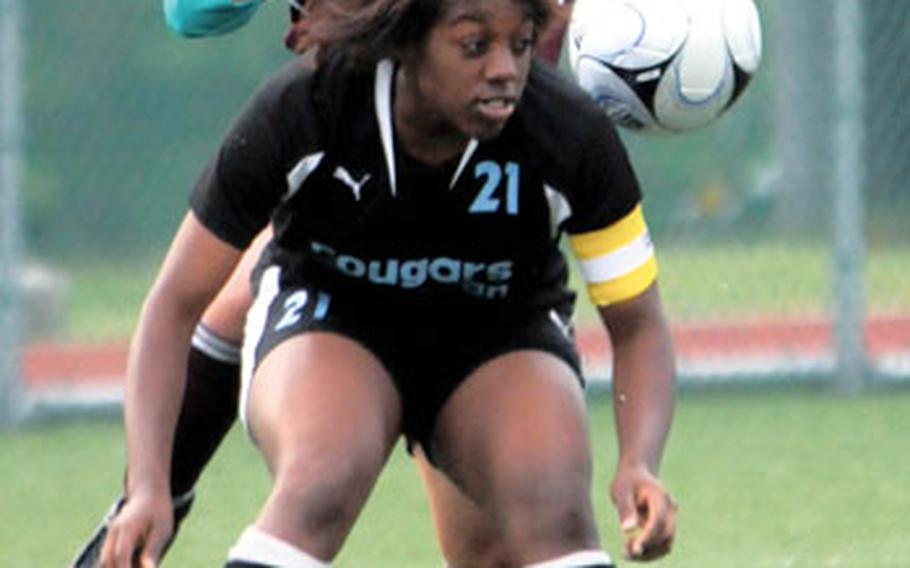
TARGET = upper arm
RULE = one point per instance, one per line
(200, 18)
(628, 318)
(607, 230)
(197, 265)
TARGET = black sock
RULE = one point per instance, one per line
(208, 411)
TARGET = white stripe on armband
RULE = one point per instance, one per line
(618, 263)
(630, 284)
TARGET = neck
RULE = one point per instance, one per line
(423, 134)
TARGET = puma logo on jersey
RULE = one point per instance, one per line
(345, 177)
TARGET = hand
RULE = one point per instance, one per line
(298, 38)
(139, 533)
(647, 513)
(549, 44)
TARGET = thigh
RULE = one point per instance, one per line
(443, 357)
(514, 438)
(323, 398)
(524, 408)
(310, 367)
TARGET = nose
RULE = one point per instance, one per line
(501, 65)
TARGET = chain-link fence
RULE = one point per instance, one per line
(782, 229)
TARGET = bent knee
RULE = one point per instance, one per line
(493, 555)
(469, 542)
(323, 495)
(547, 514)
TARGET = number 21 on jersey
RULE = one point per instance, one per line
(495, 190)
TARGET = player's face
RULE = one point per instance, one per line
(472, 70)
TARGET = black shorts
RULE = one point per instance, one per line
(427, 357)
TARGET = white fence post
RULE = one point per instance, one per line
(849, 211)
(11, 128)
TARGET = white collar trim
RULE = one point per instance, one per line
(382, 96)
(385, 73)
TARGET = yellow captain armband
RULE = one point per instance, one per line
(618, 261)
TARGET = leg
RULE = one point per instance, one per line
(325, 415)
(514, 438)
(467, 534)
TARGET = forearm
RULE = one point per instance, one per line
(643, 379)
(196, 267)
(643, 398)
(154, 390)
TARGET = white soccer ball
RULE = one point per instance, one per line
(664, 65)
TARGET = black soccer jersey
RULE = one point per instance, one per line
(316, 153)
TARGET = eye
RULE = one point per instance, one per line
(523, 45)
(474, 46)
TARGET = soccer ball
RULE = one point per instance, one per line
(664, 65)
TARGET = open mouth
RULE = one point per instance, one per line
(496, 108)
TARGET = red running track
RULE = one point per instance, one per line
(103, 365)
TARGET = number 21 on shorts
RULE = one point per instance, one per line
(296, 304)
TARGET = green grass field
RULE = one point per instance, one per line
(764, 477)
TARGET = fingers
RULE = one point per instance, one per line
(154, 546)
(137, 536)
(122, 549)
(146, 561)
(628, 514)
(657, 514)
(647, 515)
(119, 547)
